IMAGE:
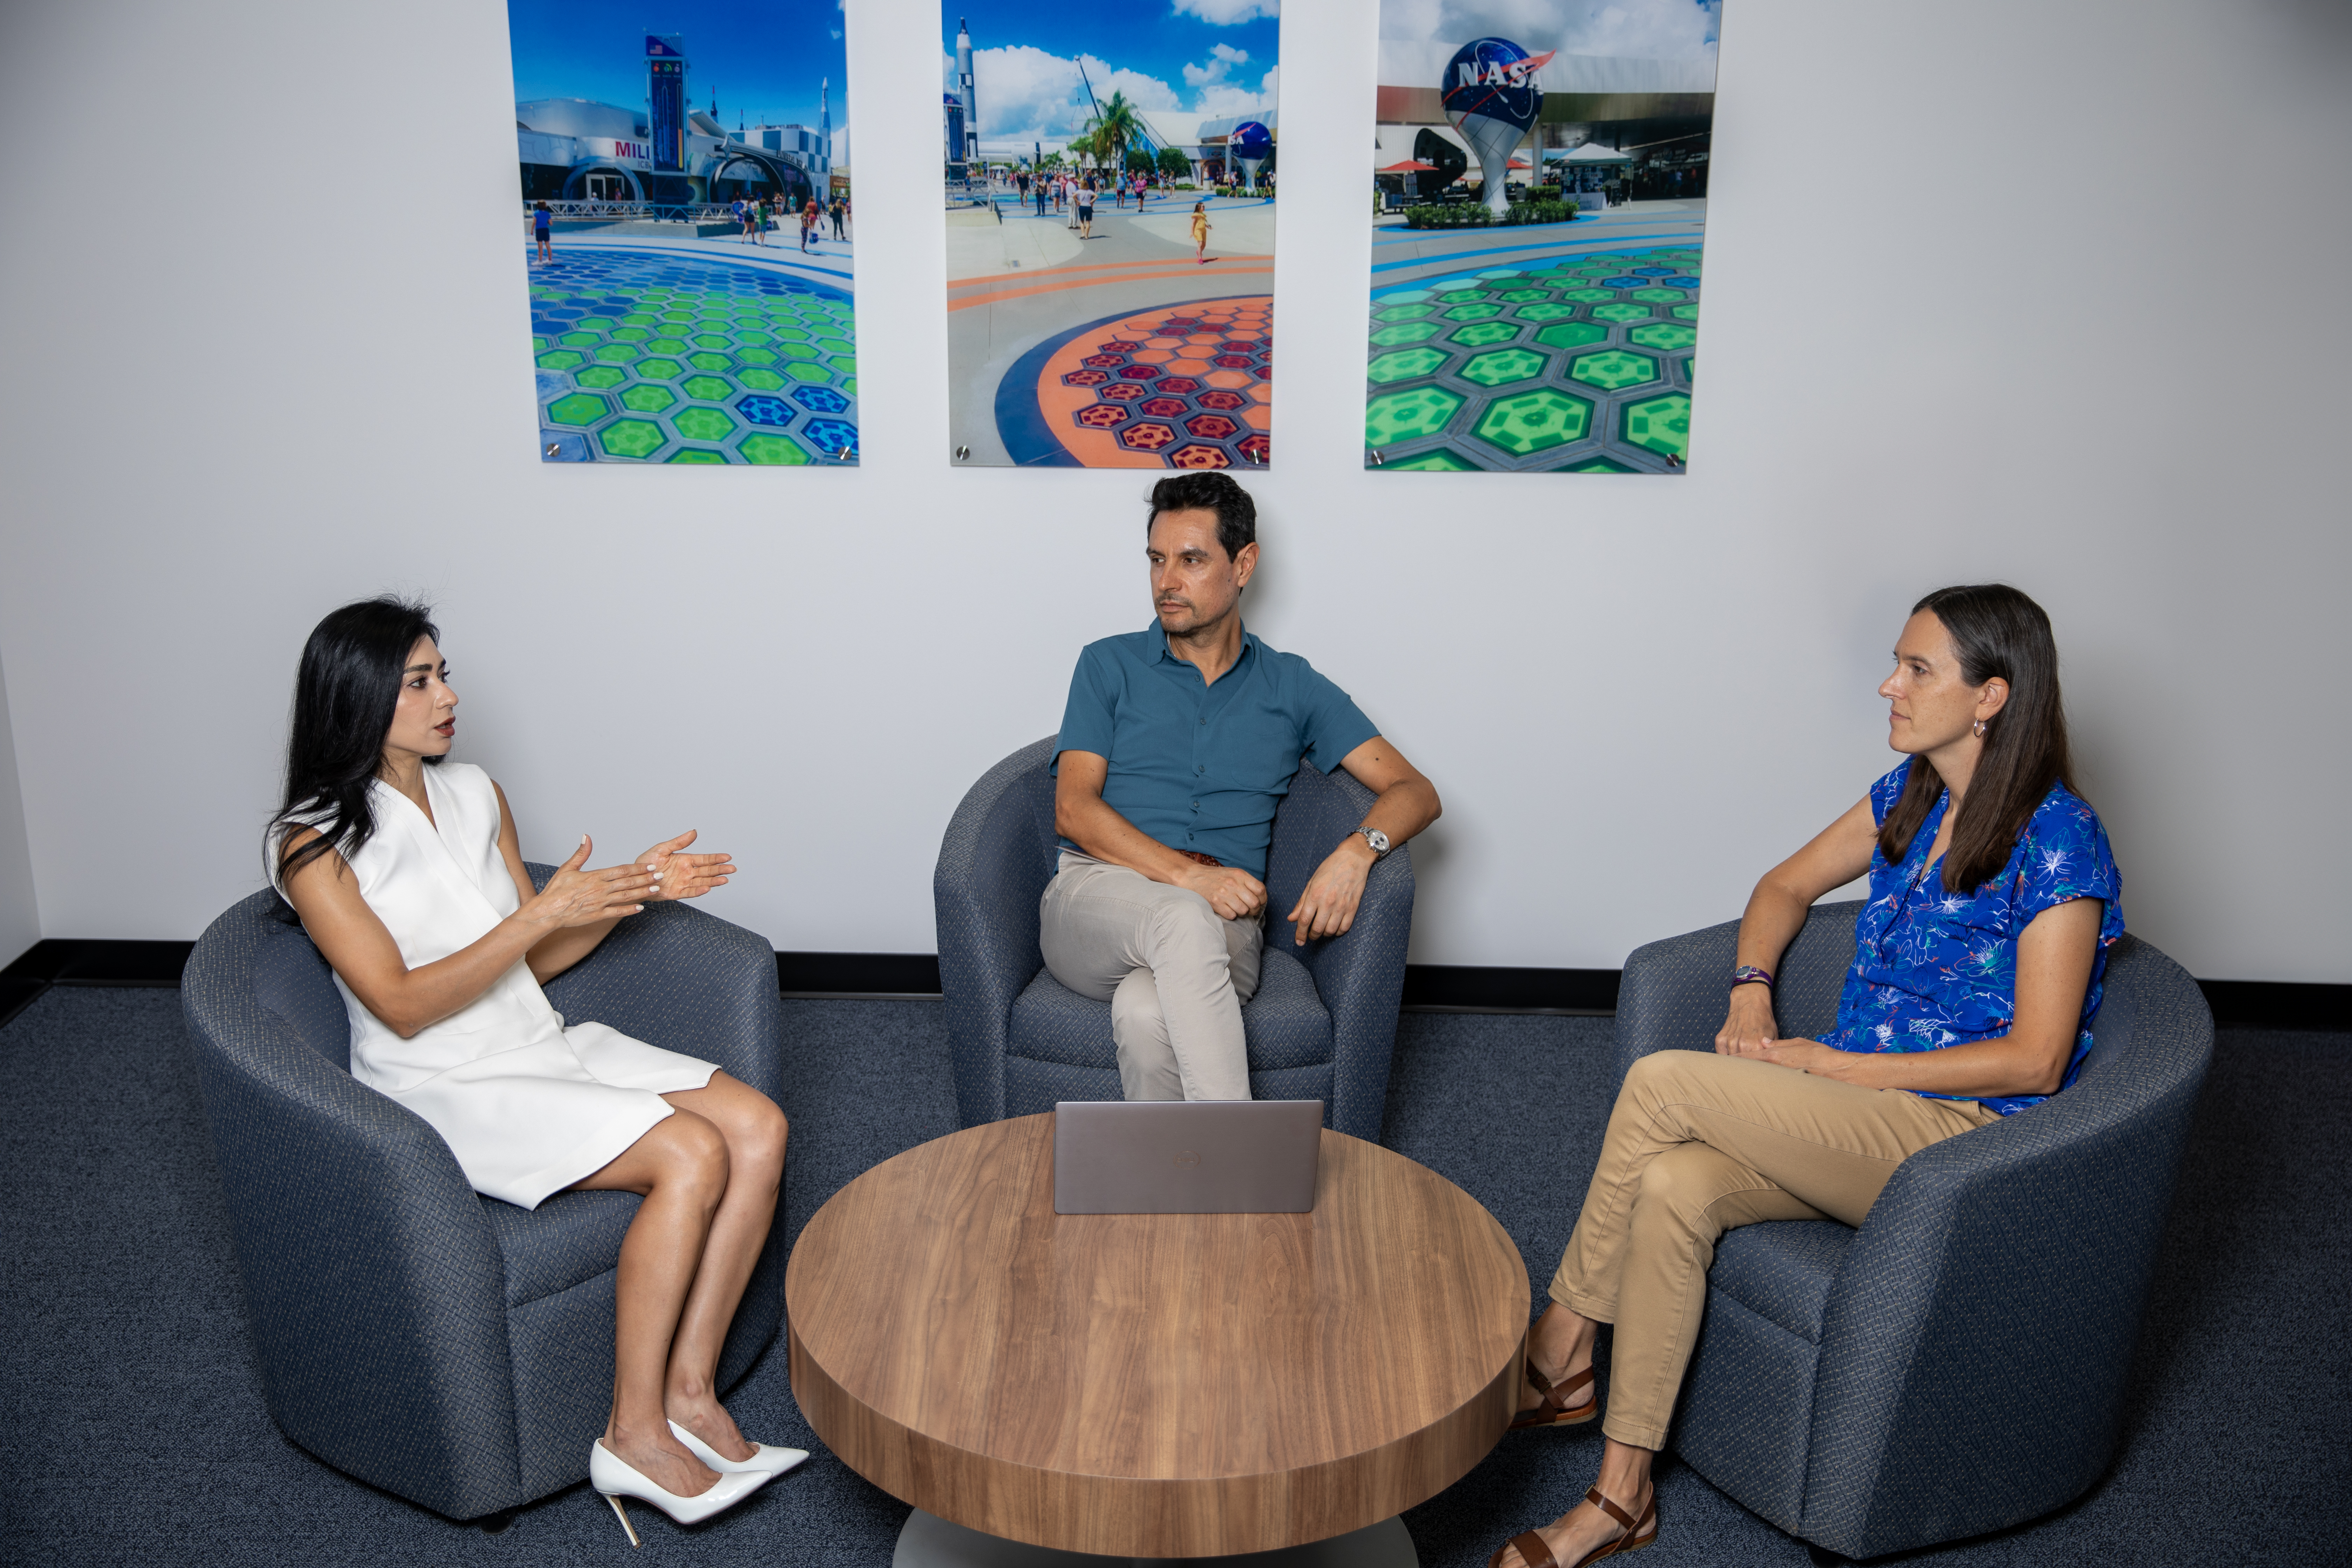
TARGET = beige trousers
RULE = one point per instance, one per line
(1698, 1144)
(1174, 973)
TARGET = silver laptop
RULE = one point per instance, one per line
(1203, 1156)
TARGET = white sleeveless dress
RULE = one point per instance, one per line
(528, 1105)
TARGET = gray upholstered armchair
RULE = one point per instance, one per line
(1321, 1026)
(445, 1346)
(1956, 1365)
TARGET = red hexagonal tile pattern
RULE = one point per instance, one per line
(1198, 372)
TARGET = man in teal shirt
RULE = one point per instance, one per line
(1177, 745)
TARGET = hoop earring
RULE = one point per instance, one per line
(1980, 729)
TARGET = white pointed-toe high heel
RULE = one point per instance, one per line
(767, 1459)
(616, 1478)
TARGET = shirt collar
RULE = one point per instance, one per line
(1163, 654)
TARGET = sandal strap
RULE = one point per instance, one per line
(1552, 1391)
(1611, 1509)
(1533, 1551)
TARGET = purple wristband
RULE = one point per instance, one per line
(1747, 972)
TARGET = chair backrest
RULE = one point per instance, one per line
(279, 972)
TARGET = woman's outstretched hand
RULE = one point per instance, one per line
(683, 876)
(577, 898)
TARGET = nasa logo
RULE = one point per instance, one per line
(1493, 78)
(1186, 1160)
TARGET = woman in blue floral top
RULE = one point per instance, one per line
(1976, 977)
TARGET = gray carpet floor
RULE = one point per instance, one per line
(132, 1429)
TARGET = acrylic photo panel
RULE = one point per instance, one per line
(1539, 169)
(1087, 327)
(685, 218)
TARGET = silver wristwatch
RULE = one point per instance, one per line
(1377, 840)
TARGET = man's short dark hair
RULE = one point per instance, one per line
(1209, 491)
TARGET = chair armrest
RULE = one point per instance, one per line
(685, 980)
(1675, 993)
(1358, 976)
(992, 870)
(371, 1280)
(1982, 1325)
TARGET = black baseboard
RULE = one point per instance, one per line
(1428, 987)
(820, 975)
(1472, 988)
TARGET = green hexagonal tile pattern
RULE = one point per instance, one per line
(1480, 334)
(1405, 415)
(632, 439)
(1661, 423)
(1664, 336)
(1532, 421)
(1620, 312)
(639, 354)
(702, 425)
(1472, 313)
(1613, 369)
(1405, 365)
(1549, 310)
(1406, 332)
(1572, 335)
(773, 449)
(1657, 296)
(1499, 366)
(1439, 460)
(1400, 313)
(580, 408)
(1684, 313)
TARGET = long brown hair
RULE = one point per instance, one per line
(1997, 632)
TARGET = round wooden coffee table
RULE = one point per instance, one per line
(1153, 1385)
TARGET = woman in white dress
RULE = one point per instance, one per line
(407, 873)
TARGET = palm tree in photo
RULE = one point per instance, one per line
(1116, 129)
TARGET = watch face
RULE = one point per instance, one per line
(1377, 840)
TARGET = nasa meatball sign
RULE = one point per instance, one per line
(1538, 226)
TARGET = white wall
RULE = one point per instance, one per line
(20, 913)
(2050, 293)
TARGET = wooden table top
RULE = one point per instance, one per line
(1168, 1386)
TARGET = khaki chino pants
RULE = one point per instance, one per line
(1698, 1144)
(1174, 973)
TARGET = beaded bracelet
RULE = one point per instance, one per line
(1749, 971)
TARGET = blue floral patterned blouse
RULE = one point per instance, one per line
(1933, 968)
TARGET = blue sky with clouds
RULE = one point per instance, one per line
(1214, 57)
(764, 57)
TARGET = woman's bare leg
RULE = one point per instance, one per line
(680, 1168)
(1624, 1480)
(755, 1132)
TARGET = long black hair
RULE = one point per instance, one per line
(1996, 631)
(344, 696)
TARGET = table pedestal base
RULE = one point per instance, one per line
(930, 1541)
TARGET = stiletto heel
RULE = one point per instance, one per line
(624, 1512)
(766, 1460)
(617, 1479)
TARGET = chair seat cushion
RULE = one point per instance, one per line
(1782, 1270)
(1285, 1025)
(569, 1239)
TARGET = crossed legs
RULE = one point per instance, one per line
(1174, 973)
(1699, 1143)
(709, 1175)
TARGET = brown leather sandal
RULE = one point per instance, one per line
(1554, 1410)
(1536, 1555)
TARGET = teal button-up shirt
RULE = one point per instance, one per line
(1202, 767)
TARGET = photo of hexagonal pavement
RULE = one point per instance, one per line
(691, 283)
(1540, 211)
(1110, 215)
